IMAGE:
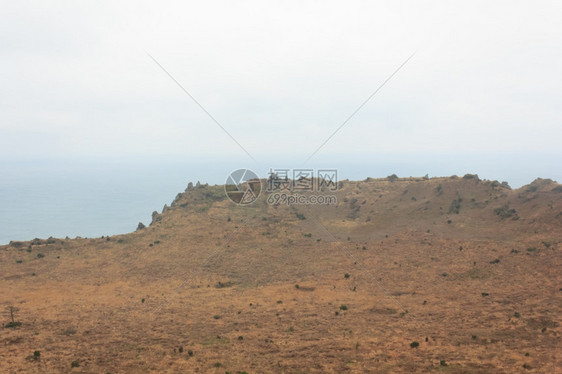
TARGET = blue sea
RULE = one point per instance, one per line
(95, 197)
(90, 198)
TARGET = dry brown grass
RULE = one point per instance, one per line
(225, 290)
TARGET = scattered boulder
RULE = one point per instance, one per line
(140, 226)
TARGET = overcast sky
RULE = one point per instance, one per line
(280, 76)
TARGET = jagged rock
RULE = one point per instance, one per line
(472, 176)
(198, 185)
(189, 186)
(155, 218)
(165, 208)
(140, 226)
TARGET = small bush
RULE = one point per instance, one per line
(506, 212)
(443, 363)
(69, 331)
(414, 344)
(224, 284)
(496, 261)
(346, 275)
(190, 353)
(300, 216)
(343, 307)
(40, 255)
(11, 325)
(74, 364)
(392, 177)
(455, 206)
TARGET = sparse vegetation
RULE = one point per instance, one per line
(455, 206)
(506, 212)
(407, 247)
(13, 323)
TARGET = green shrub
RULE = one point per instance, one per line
(506, 212)
(455, 206)
(74, 364)
(414, 344)
(343, 307)
(392, 177)
(346, 275)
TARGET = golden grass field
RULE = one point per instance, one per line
(468, 269)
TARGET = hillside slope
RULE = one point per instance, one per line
(468, 269)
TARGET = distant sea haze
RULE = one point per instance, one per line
(95, 197)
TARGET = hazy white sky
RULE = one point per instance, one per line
(280, 76)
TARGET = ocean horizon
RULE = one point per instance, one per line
(96, 197)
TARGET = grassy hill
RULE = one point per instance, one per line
(452, 275)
